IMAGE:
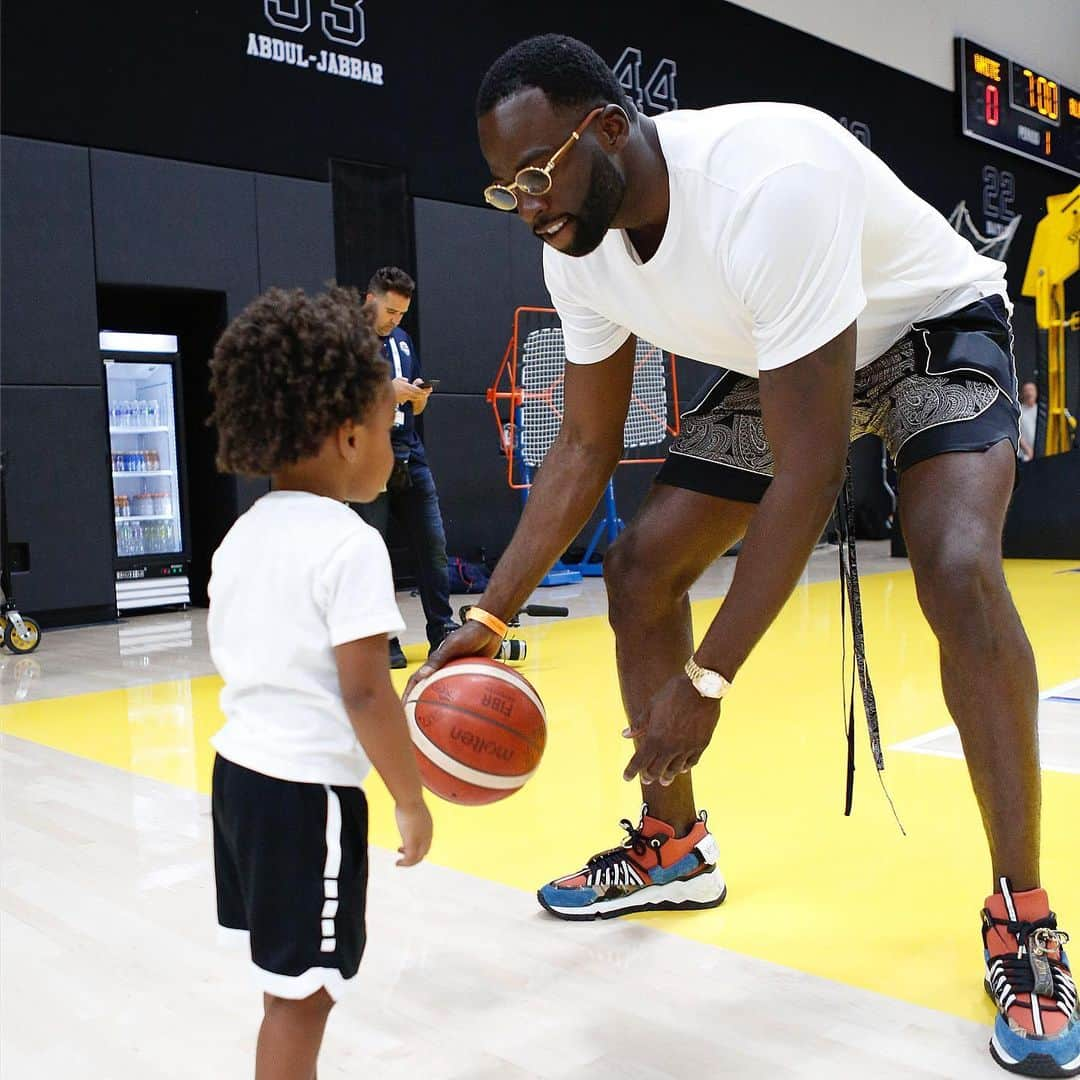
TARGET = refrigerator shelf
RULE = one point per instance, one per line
(134, 474)
(147, 517)
(139, 430)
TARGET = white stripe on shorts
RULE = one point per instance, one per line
(332, 868)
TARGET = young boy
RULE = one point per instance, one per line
(301, 603)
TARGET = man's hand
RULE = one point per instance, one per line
(406, 392)
(473, 639)
(673, 732)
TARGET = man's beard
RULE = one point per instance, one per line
(605, 196)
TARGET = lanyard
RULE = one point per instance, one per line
(396, 356)
(399, 412)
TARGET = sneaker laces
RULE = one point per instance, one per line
(636, 841)
(1031, 970)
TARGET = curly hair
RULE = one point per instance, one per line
(568, 71)
(289, 370)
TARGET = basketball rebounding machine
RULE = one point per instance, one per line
(527, 401)
(1055, 256)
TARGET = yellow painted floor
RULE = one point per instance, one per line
(848, 899)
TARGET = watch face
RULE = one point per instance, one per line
(710, 684)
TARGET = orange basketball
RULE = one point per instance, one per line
(478, 729)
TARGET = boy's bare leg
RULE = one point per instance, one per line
(290, 1036)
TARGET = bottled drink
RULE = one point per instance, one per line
(155, 414)
(137, 538)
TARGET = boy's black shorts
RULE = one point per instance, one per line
(290, 861)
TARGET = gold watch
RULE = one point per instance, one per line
(709, 684)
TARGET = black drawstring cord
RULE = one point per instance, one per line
(850, 595)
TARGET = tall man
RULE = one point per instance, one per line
(764, 239)
(410, 495)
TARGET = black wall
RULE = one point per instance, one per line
(148, 237)
(52, 406)
(209, 168)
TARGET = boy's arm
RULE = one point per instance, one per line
(377, 717)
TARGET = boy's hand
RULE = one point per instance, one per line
(414, 824)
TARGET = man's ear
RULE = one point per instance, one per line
(615, 127)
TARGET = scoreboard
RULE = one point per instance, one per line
(1013, 106)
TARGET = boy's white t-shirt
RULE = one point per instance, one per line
(296, 575)
(782, 230)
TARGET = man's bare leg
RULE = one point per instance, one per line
(953, 509)
(648, 572)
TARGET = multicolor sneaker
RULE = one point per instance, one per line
(653, 870)
(1037, 1031)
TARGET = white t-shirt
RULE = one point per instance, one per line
(782, 230)
(297, 575)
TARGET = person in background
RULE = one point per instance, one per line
(410, 496)
(301, 601)
(1029, 419)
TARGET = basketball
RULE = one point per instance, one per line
(478, 729)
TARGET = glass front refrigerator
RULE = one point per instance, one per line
(153, 549)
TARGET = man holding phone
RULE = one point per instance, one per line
(410, 495)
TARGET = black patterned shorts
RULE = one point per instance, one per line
(949, 385)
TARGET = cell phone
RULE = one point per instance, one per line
(429, 384)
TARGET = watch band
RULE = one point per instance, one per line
(492, 622)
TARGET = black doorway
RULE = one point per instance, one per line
(197, 318)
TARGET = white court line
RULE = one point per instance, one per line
(1059, 708)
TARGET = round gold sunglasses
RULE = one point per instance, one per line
(535, 180)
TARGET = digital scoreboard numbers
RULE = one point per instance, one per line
(1013, 106)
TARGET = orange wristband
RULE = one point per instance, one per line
(492, 622)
